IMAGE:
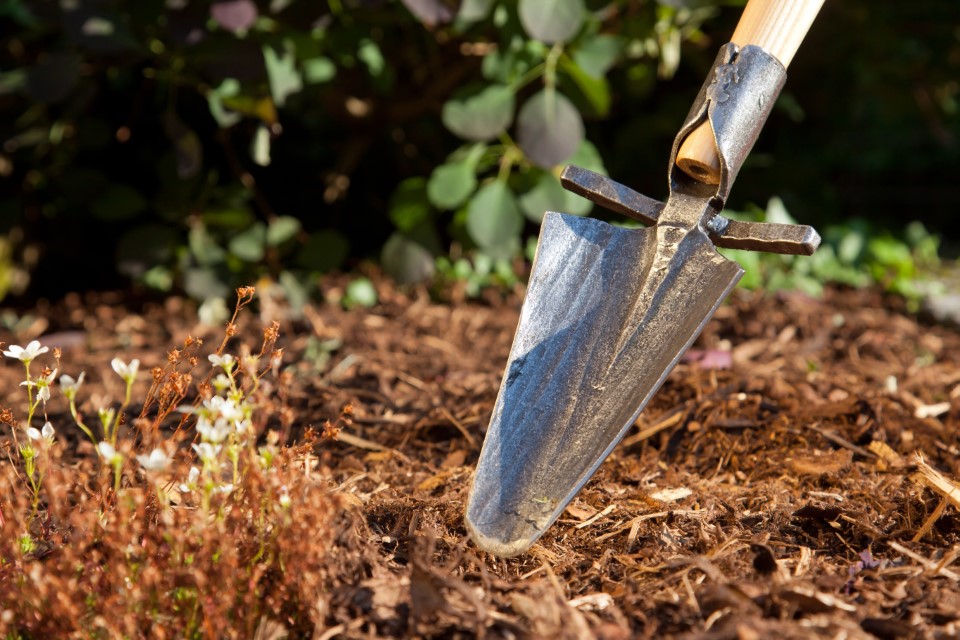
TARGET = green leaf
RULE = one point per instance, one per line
(549, 195)
(233, 218)
(409, 205)
(595, 54)
(318, 70)
(406, 260)
(549, 129)
(480, 114)
(451, 184)
(369, 53)
(249, 245)
(203, 247)
(325, 250)
(282, 229)
(474, 10)
(494, 220)
(229, 88)
(118, 202)
(552, 20)
(187, 145)
(202, 283)
(260, 146)
(595, 89)
(282, 73)
(588, 158)
(360, 293)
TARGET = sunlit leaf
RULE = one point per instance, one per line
(597, 53)
(451, 184)
(318, 70)
(548, 194)
(595, 89)
(360, 293)
(551, 20)
(203, 247)
(474, 10)
(260, 146)
(549, 128)
(249, 245)
(282, 73)
(282, 229)
(494, 220)
(406, 260)
(480, 115)
(587, 157)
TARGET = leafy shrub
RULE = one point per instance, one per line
(209, 143)
(854, 253)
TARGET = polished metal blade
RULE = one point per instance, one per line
(608, 313)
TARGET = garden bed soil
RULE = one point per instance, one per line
(769, 488)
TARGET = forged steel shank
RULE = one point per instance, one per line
(738, 96)
(608, 313)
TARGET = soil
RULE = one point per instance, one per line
(769, 488)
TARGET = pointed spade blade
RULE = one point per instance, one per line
(608, 313)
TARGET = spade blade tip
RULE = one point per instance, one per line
(497, 546)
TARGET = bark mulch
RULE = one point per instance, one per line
(777, 484)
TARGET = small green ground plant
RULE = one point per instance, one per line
(187, 518)
(853, 253)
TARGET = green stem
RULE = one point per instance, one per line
(83, 427)
(31, 407)
(550, 64)
(532, 74)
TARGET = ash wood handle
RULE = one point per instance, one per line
(777, 26)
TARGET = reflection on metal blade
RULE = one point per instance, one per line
(608, 313)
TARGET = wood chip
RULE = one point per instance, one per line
(886, 456)
(931, 410)
(933, 479)
(929, 565)
(603, 513)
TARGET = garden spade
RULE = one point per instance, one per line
(609, 311)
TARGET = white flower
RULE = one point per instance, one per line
(109, 454)
(42, 384)
(70, 386)
(48, 431)
(243, 426)
(188, 486)
(219, 406)
(27, 354)
(221, 383)
(225, 488)
(126, 371)
(214, 432)
(158, 460)
(34, 433)
(226, 361)
(284, 498)
(207, 452)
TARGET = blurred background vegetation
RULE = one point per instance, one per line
(193, 146)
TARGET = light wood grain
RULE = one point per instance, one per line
(777, 26)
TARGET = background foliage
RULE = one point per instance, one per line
(198, 145)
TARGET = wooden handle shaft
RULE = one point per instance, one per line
(777, 26)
